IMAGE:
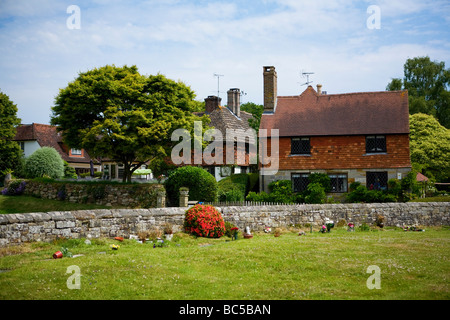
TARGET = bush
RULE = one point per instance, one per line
(69, 172)
(45, 161)
(281, 191)
(322, 179)
(204, 221)
(233, 188)
(202, 185)
(315, 193)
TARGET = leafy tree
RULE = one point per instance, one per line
(256, 110)
(45, 161)
(428, 84)
(117, 113)
(10, 153)
(430, 146)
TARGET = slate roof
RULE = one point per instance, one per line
(313, 114)
(47, 136)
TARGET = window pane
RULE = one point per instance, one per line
(375, 144)
(376, 180)
(300, 146)
(300, 182)
(338, 182)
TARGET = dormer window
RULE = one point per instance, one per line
(375, 144)
(75, 152)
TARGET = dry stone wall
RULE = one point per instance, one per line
(126, 195)
(19, 228)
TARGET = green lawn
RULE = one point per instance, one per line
(413, 265)
(25, 204)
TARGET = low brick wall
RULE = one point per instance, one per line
(19, 228)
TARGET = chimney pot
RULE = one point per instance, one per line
(319, 89)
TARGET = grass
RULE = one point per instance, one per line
(25, 204)
(413, 265)
(433, 199)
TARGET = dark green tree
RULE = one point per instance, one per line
(117, 113)
(10, 152)
(428, 84)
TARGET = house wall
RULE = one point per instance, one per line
(345, 152)
(343, 155)
(30, 147)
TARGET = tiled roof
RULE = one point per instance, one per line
(47, 136)
(313, 114)
(223, 118)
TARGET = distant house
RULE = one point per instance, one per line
(234, 127)
(351, 137)
(34, 136)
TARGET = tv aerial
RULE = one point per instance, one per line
(218, 81)
(307, 74)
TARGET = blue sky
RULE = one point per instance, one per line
(193, 40)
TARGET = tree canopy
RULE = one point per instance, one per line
(10, 153)
(117, 113)
(256, 110)
(430, 146)
(428, 85)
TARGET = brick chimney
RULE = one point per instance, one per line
(212, 103)
(270, 89)
(234, 103)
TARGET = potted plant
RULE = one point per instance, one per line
(168, 231)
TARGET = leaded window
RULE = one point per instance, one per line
(375, 144)
(299, 182)
(338, 182)
(300, 146)
(377, 180)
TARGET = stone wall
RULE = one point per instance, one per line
(110, 194)
(19, 228)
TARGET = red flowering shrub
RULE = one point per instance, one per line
(204, 221)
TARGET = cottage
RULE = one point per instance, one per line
(34, 136)
(351, 137)
(236, 132)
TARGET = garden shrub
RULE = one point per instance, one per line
(322, 179)
(315, 193)
(45, 161)
(204, 221)
(230, 189)
(258, 197)
(69, 172)
(281, 191)
(202, 185)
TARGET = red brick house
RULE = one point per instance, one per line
(351, 137)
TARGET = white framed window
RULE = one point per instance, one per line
(75, 152)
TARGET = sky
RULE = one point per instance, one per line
(212, 46)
